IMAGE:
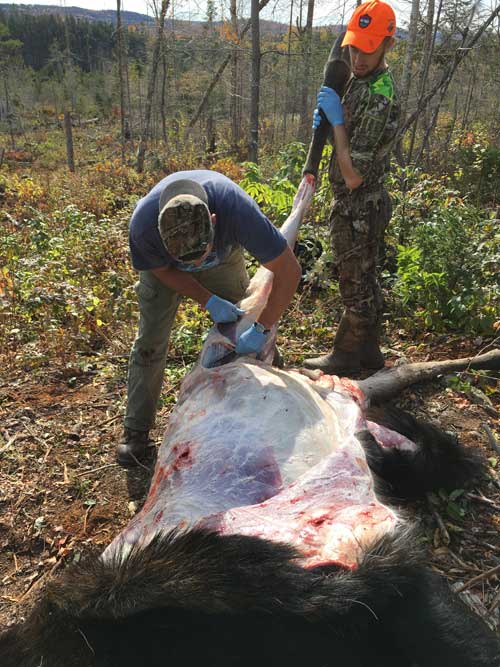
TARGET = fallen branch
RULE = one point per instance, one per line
(442, 528)
(480, 577)
(495, 604)
(89, 472)
(390, 382)
(491, 437)
(482, 499)
(36, 583)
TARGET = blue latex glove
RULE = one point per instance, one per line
(317, 118)
(222, 311)
(251, 341)
(329, 102)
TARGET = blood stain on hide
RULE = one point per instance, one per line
(183, 456)
(158, 478)
(318, 521)
(183, 453)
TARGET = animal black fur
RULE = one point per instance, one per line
(199, 598)
(440, 461)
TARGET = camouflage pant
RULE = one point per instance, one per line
(357, 227)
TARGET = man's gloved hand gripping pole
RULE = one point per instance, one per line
(335, 76)
(330, 106)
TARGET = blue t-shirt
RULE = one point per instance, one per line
(239, 221)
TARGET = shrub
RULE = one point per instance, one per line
(448, 258)
(477, 165)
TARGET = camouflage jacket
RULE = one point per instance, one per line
(372, 114)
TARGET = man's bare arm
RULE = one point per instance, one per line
(343, 152)
(183, 283)
(287, 272)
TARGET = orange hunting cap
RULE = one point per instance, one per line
(370, 23)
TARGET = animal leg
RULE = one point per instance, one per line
(437, 461)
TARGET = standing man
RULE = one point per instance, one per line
(186, 239)
(364, 125)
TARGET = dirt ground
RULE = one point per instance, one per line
(62, 495)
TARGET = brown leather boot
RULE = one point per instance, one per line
(355, 348)
(371, 357)
(343, 359)
(132, 447)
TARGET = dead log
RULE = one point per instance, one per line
(390, 382)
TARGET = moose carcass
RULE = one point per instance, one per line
(267, 537)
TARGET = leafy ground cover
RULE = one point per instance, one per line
(68, 318)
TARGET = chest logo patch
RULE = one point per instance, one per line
(365, 20)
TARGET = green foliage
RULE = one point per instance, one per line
(291, 159)
(65, 280)
(454, 504)
(8, 46)
(477, 165)
(448, 258)
(274, 196)
(90, 42)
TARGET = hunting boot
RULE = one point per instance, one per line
(371, 357)
(132, 447)
(355, 348)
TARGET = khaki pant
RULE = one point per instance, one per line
(158, 305)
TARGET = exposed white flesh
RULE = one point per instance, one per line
(251, 449)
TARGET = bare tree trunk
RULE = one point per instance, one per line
(431, 29)
(443, 83)
(410, 51)
(68, 94)
(7, 109)
(220, 71)
(305, 120)
(141, 151)
(449, 136)
(121, 79)
(275, 112)
(68, 130)
(253, 148)
(139, 101)
(211, 136)
(163, 94)
(468, 100)
(129, 123)
(234, 103)
(287, 88)
(429, 42)
(435, 113)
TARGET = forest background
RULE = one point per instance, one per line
(94, 112)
